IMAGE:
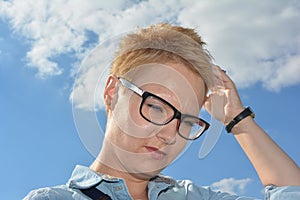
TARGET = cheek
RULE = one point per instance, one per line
(180, 144)
(127, 118)
(134, 111)
(125, 142)
(122, 114)
(120, 141)
(176, 151)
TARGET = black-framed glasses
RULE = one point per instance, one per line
(158, 111)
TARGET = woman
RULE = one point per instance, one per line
(158, 83)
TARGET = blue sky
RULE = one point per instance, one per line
(42, 45)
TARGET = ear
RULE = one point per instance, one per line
(110, 91)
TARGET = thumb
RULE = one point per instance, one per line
(215, 104)
(207, 104)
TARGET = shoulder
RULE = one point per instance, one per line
(186, 189)
(191, 188)
(53, 193)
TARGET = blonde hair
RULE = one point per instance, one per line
(163, 43)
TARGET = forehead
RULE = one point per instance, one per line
(170, 80)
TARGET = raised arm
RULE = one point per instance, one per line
(273, 165)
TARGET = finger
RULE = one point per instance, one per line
(222, 78)
(215, 104)
(207, 104)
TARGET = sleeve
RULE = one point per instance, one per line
(286, 192)
(208, 194)
(188, 190)
(53, 193)
(39, 194)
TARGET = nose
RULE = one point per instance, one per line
(168, 132)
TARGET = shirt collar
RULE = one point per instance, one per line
(163, 179)
(83, 177)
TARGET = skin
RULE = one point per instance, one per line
(125, 154)
(272, 164)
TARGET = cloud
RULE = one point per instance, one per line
(231, 185)
(59, 27)
(286, 75)
(257, 42)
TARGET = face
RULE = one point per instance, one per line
(134, 144)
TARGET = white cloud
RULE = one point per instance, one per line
(58, 27)
(286, 75)
(231, 185)
(256, 41)
(253, 40)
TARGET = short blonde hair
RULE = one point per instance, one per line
(164, 43)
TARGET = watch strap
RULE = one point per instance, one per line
(245, 113)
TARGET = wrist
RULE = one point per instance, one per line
(247, 112)
(244, 126)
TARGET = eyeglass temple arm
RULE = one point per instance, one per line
(131, 86)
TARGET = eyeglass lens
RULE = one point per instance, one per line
(158, 112)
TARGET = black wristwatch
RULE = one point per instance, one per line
(245, 113)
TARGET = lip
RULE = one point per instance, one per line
(156, 153)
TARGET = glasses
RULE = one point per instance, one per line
(158, 111)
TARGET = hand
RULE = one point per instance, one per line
(223, 103)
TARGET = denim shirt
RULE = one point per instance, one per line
(160, 188)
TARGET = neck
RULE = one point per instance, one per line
(137, 187)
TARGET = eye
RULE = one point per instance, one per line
(156, 107)
(188, 123)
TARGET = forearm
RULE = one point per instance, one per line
(272, 164)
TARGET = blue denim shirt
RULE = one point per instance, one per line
(159, 188)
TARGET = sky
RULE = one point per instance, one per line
(44, 43)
